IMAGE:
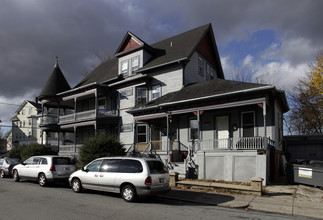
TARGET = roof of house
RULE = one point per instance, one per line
(36, 105)
(216, 88)
(56, 83)
(173, 49)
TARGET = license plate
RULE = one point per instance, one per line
(161, 180)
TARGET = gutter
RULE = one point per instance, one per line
(196, 99)
(163, 64)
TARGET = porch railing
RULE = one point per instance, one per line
(85, 115)
(245, 143)
(49, 119)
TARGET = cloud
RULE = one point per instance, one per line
(34, 32)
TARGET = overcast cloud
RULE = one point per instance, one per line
(279, 37)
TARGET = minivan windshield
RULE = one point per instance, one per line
(156, 167)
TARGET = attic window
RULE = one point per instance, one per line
(124, 67)
(134, 64)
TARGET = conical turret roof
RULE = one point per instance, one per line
(55, 84)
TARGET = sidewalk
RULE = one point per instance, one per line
(285, 199)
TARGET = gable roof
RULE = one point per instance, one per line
(36, 105)
(104, 72)
(55, 84)
(173, 49)
(217, 88)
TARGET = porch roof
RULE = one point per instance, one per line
(213, 89)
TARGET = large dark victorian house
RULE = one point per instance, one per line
(171, 98)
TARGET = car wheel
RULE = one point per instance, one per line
(76, 185)
(42, 180)
(128, 193)
(2, 175)
(16, 176)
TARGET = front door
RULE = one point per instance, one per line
(222, 132)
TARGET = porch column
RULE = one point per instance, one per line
(74, 139)
(75, 99)
(96, 103)
(42, 121)
(265, 127)
(167, 141)
(198, 131)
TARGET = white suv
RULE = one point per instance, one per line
(44, 169)
(128, 176)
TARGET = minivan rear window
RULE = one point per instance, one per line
(156, 167)
(62, 161)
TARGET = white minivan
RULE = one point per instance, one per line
(44, 169)
(129, 176)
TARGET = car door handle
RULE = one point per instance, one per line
(96, 175)
(101, 175)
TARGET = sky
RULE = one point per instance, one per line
(267, 41)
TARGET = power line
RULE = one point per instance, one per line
(4, 103)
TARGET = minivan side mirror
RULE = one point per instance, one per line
(83, 169)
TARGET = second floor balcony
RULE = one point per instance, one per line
(79, 116)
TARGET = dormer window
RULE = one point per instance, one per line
(134, 64)
(124, 67)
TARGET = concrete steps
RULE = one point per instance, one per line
(178, 167)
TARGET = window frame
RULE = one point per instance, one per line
(142, 134)
(134, 68)
(190, 129)
(158, 86)
(124, 71)
(245, 124)
(141, 97)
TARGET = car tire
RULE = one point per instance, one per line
(15, 176)
(2, 174)
(42, 180)
(128, 193)
(76, 185)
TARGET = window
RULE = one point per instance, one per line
(30, 110)
(193, 132)
(94, 166)
(24, 124)
(157, 167)
(142, 133)
(29, 122)
(248, 124)
(23, 111)
(101, 103)
(134, 63)
(141, 96)
(111, 166)
(29, 134)
(43, 161)
(156, 92)
(130, 166)
(212, 73)
(124, 67)
(201, 66)
(29, 161)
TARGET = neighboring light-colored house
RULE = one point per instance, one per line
(171, 98)
(9, 140)
(25, 124)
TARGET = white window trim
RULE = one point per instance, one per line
(152, 91)
(133, 58)
(138, 88)
(189, 128)
(126, 71)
